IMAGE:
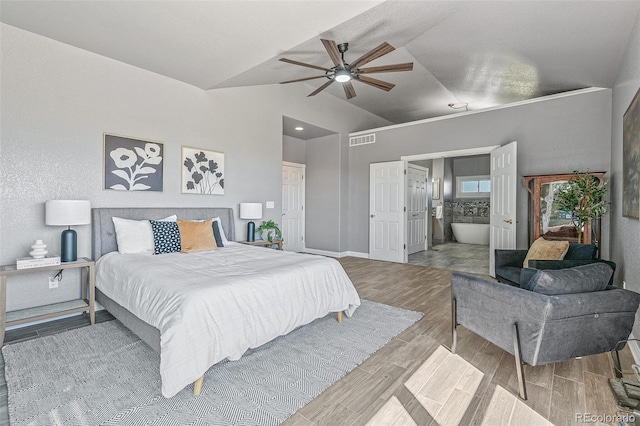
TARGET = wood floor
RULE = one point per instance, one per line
(411, 380)
(414, 379)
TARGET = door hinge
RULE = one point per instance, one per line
(405, 209)
(405, 171)
(302, 208)
(405, 246)
(302, 238)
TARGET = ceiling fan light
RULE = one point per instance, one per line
(342, 76)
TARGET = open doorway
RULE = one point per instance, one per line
(478, 197)
(459, 215)
(310, 176)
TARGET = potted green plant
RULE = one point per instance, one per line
(583, 196)
(270, 230)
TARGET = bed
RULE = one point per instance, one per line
(198, 309)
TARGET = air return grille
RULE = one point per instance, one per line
(362, 140)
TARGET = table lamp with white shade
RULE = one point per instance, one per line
(251, 211)
(68, 213)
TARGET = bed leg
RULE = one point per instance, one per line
(197, 386)
(340, 317)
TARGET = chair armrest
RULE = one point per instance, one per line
(613, 301)
(510, 257)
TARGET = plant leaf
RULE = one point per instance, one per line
(147, 170)
(118, 187)
(121, 174)
(154, 160)
(141, 152)
(140, 187)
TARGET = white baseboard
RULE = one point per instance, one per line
(336, 254)
(634, 346)
(356, 254)
(322, 252)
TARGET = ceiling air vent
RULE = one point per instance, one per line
(362, 140)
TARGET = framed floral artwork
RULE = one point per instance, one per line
(132, 164)
(202, 171)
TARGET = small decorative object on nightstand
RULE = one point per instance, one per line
(38, 250)
(270, 230)
(251, 211)
(67, 213)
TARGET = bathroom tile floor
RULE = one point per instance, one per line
(455, 256)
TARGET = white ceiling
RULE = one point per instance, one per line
(483, 53)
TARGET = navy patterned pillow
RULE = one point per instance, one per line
(216, 233)
(166, 237)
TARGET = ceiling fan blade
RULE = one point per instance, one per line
(302, 64)
(384, 85)
(407, 66)
(321, 88)
(303, 79)
(349, 90)
(379, 51)
(332, 50)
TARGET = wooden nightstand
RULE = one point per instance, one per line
(262, 243)
(53, 310)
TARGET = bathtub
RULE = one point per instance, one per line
(471, 233)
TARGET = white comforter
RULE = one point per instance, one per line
(214, 305)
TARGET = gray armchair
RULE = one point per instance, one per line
(542, 328)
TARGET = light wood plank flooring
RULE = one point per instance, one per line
(414, 379)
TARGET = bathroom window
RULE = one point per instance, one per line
(473, 186)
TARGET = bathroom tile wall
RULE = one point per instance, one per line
(470, 211)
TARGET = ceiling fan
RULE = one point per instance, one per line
(344, 72)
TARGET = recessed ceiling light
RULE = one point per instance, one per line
(299, 128)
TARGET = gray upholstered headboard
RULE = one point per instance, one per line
(103, 233)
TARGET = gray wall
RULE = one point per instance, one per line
(57, 100)
(476, 165)
(293, 149)
(322, 213)
(625, 232)
(326, 187)
(555, 135)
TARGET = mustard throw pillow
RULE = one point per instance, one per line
(196, 236)
(542, 249)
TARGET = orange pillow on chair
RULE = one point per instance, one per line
(542, 249)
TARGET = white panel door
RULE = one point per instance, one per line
(387, 213)
(503, 201)
(293, 206)
(416, 208)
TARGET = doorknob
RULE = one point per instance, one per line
(372, 216)
(414, 215)
(510, 222)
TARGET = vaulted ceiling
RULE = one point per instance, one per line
(480, 53)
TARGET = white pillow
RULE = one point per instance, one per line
(223, 237)
(136, 236)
